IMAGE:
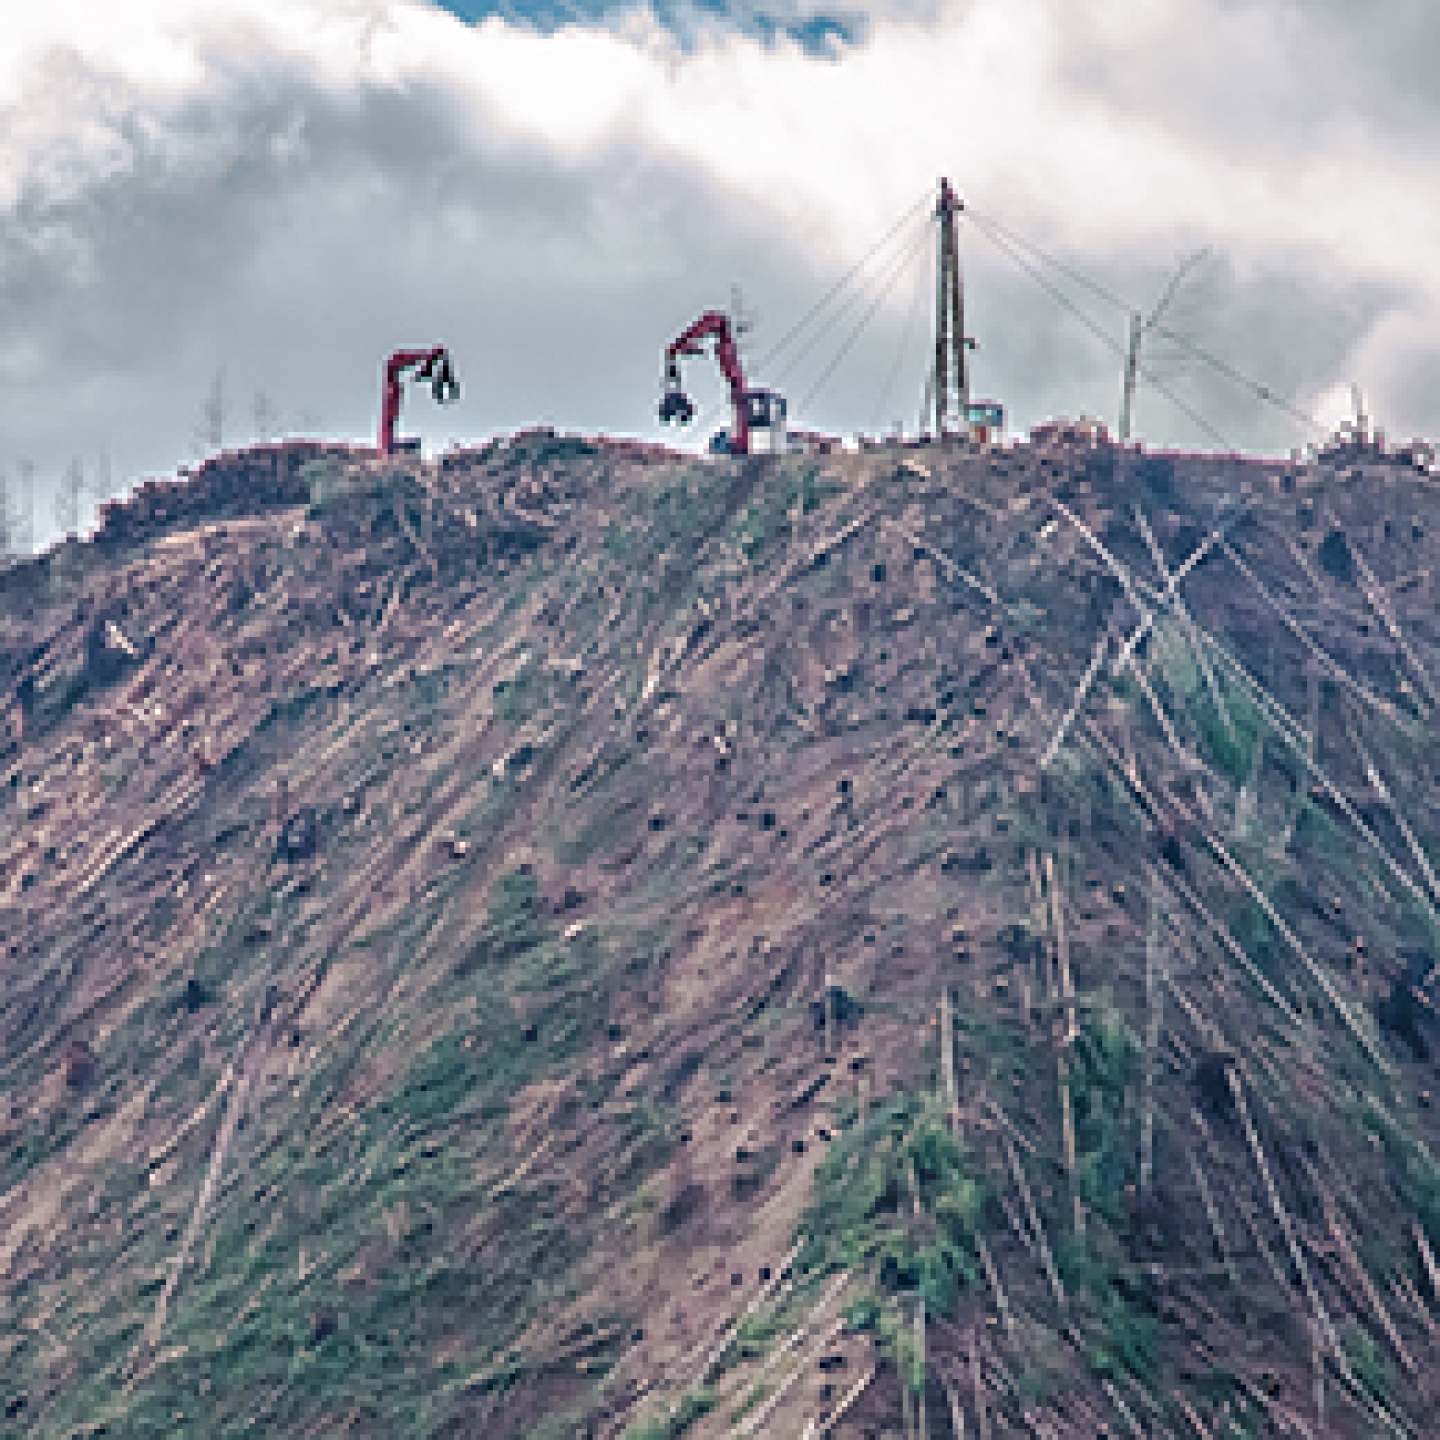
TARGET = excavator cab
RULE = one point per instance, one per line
(766, 412)
(676, 407)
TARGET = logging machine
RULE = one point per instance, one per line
(759, 415)
(432, 365)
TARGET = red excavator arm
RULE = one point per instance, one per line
(677, 405)
(432, 365)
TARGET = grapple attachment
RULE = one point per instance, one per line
(675, 404)
(443, 384)
(676, 407)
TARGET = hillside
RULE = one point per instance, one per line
(571, 939)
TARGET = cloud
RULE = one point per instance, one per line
(288, 188)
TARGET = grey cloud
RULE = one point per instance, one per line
(1413, 395)
(1268, 77)
(395, 224)
(1285, 323)
(293, 234)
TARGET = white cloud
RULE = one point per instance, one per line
(290, 186)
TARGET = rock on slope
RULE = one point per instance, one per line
(573, 940)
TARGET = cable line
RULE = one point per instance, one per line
(877, 419)
(1081, 279)
(997, 238)
(1228, 510)
(895, 266)
(1101, 334)
(1264, 392)
(905, 259)
(839, 313)
(1173, 285)
(775, 350)
(1101, 292)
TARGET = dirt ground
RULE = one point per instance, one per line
(572, 940)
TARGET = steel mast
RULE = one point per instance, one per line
(952, 374)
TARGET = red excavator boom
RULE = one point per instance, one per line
(432, 365)
(677, 405)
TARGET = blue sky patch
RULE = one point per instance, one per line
(818, 34)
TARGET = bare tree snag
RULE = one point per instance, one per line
(977, 1384)
(1037, 1228)
(1217, 1228)
(1152, 1039)
(922, 1420)
(1287, 1226)
(947, 1061)
(992, 1276)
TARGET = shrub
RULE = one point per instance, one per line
(1105, 1071)
(865, 1212)
(696, 1404)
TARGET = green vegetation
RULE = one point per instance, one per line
(676, 513)
(681, 510)
(1227, 749)
(347, 1266)
(1114, 1304)
(899, 1199)
(1104, 1078)
(448, 1162)
(513, 925)
(797, 491)
(551, 451)
(523, 695)
(753, 1337)
(1368, 1362)
(1230, 751)
(325, 479)
(998, 1043)
(1414, 1170)
(693, 1407)
(1119, 1326)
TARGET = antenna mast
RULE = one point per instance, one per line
(1132, 364)
(1139, 328)
(1362, 420)
(952, 375)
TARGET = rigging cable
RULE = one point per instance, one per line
(1228, 510)
(906, 258)
(845, 308)
(1081, 279)
(1101, 292)
(908, 215)
(1264, 392)
(1099, 331)
(877, 419)
(775, 350)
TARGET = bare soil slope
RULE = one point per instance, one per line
(574, 940)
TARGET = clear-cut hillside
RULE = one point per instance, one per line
(576, 940)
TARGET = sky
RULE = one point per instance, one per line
(275, 193)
